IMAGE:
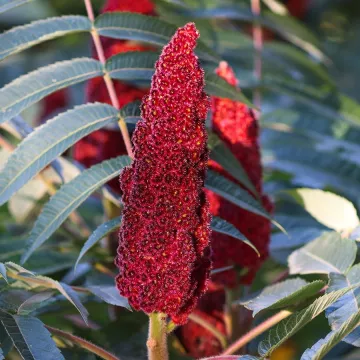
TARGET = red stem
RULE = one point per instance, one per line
(258, 46)
(109, 83)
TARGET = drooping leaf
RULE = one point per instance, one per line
(150, 29)
(235, 194)
(328, 208)
(3, 271)
(6, 5)
(99, 233)
(34, 302)
(111, 295)
(221, 226)
(323, 346)
(30, 337)
(329, 253)
(35, 281)
(30, 88)
(11, 298)
(284, 294)
(291, 325)
(69, 197)
(340, 312)
(50, 140)
(23, 37)
(224, 157)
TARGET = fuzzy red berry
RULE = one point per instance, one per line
(163, 253)
(198, 341)
(237, 127)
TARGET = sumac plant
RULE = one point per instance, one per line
(151, 209)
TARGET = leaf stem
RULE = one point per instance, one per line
(108, 81)
(157, 341)
(102, 353)
(199, 320)
(256, 331)
(258, 46)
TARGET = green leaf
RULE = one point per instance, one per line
(5, 341)
(3, 271)
(221, 226)
(49, 141)
(327, 208)
(224, 157)
(291, 325)
(30, 337)
(11, 298)
(34, 302)
(283, 295)
(6, 5)
(30, 88)
(100, 232)
(340, 312)
(281, 245)
(132, 65)
(69, 197)
(217, 86)
(131, 113)
(149, 29)
(235, 194)
(111, 295)
(329, 253)
(23, 37)
(323, 346)
(35, 281)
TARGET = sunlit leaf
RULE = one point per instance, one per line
(283, 294)
(291, 325)
(329, 253)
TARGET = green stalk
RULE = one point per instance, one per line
(157, 342)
